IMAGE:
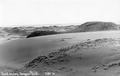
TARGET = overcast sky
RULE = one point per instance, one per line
(27, 12)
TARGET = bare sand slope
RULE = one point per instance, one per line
(82, 54)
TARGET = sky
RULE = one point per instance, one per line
(32, 12)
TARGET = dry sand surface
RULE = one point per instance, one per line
(73, 54)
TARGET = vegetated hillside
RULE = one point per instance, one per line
(88, 58)
(24, 31)
(59, 56)
(15, 31)
(41, 33)
(96, 26)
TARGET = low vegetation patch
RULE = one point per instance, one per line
(63, 55)
(41, 33)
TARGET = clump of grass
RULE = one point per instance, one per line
(105, 66)
(35, 61)
(58, 56)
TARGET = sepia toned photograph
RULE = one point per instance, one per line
(59, 37)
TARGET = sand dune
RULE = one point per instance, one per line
(73, 54)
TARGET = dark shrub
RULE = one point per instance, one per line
(41, 33)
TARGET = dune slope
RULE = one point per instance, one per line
(73, 54)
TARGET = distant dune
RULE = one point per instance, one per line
(22, 32)
(96, 26)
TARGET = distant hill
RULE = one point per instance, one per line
(96, 26)
(23, 32)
